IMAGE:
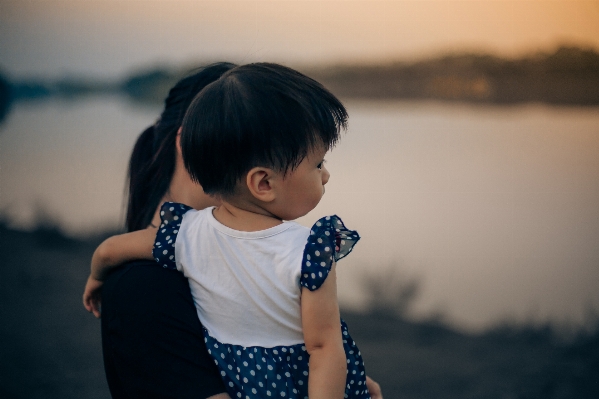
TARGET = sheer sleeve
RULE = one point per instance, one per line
(328, 242)
(171, 214)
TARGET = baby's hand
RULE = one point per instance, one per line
(92, 296)
(374, 388)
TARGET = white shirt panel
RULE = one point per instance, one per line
(245, 285)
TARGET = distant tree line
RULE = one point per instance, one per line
(569, 75)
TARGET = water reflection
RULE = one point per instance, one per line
(493, 208)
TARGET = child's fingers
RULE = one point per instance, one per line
(86, 302)
(96, 308)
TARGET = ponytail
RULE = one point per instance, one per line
(147, 182)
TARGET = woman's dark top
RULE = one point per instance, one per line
(152, 339)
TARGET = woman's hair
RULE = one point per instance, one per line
(152, 162)
(256, 115)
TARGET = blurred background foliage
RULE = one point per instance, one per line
(567, 76)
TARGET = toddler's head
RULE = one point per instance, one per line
(260, 116)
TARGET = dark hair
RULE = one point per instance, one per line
(152, 162)
(256, 115)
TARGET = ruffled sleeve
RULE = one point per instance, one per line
(328, 242)
(171, 214)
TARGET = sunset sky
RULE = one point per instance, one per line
(104, 38)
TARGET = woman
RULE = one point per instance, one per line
(152, 339)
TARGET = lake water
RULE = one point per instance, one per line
(494, 209)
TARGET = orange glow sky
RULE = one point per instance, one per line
(110, 38)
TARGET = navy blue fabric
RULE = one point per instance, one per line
(329, 241)
(171, 214)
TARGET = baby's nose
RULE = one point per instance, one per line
(325, 176)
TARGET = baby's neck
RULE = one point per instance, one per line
(244, 218)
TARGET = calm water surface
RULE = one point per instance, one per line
(495, 209)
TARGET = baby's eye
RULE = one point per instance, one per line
(319, 166)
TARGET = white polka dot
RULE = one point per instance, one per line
(223, 373)
(164, 252)
(254, 391)
(317, 253)
(318, 224)
(230, 384)
(319, 240)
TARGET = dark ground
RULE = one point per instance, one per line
(50, 346)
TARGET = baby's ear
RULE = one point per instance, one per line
(259, 182)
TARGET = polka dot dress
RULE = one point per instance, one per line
(282, 371)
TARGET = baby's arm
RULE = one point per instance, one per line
(116, 250)
(322, 335)
(113, 252)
